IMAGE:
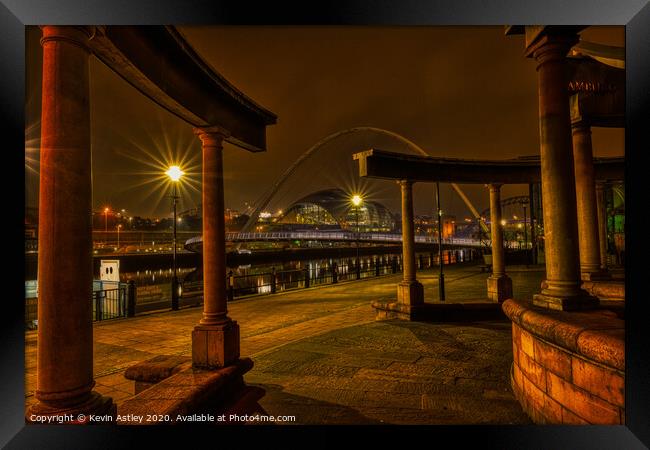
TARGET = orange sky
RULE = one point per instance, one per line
(455, 91)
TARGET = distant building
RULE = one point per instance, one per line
(448, 226)
(332, 208)
(31, 222)
(428, 225)
(231, 215)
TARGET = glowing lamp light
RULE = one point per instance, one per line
(174, 173)
(503, 222)
(356, 200)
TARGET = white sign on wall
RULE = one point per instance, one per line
(109, 270)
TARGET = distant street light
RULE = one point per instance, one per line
(174, 173)
(357, 200)
(106, 220)
(118, 235)
(106, 225)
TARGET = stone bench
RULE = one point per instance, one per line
(192, 391)
(606, 289)
(152, 371)
(468, 311)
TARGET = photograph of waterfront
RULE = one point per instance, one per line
(325, 225)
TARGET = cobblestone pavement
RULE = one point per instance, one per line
(393, 372)
(274, 327)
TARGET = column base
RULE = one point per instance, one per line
(596, 275)
(499, 288)
(215, 346)
(410, 293)
(75, 414)
(578, 302)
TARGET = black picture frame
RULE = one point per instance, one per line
(634, 14)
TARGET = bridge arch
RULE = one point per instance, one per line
(266, 198)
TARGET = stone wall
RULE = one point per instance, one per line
(568, 368)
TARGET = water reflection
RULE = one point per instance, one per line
(268, 278)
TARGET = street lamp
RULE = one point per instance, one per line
(526, 235)
(441, 277)
(357, 200)
(118, 236)
(106, 225)
(174, 173)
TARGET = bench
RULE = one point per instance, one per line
(194, 391)
(149, 372)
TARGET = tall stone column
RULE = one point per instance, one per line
(602, 224)
(499, 285)
(215, 340)
(562, 286)
(64, 376)
(589, 242)
(410, 292)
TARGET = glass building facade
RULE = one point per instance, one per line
(334, 208)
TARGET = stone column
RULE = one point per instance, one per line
(602, 224)
(589, 241)
(65, 266)
(561, 289)
(215, 340)
(409, 291)
(499, 285)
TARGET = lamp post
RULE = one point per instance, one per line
(356, 201)
(118, 236)
(441, 277)
(526, 234)
(174, 173)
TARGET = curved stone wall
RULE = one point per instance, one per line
(568, 368)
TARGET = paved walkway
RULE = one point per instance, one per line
(293, 330)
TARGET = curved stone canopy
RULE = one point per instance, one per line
(160, 63)
(375, 163)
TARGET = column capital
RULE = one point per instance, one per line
(212, 135)
(552, 47)
(405, 183)
(76, 35)
(495, 187)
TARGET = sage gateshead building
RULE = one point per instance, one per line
(333, 209)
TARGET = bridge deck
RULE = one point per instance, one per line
(321, 356)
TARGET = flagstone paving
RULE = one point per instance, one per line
(321, 356)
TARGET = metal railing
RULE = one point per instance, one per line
(342, 236)
(110, 303)
(330, 273)
(106, 304)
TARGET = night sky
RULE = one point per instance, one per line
(455, 91)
